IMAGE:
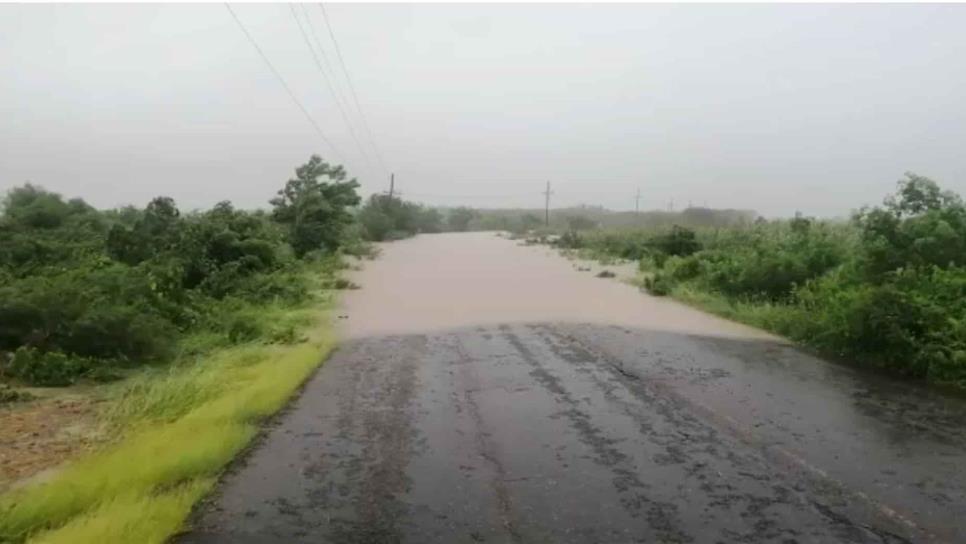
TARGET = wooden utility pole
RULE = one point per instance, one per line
(392, 184)
(637, 201)
(546, 210)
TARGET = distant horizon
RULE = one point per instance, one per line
(523, 209)
(468, 203)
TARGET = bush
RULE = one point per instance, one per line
(680, 241)
(9, 395)
(658, 285)
(912, 325)
(50, 368)
(90, 313)
(87, 290)
(390, 218)
(887, 289)
(570, 240)
(682, 269)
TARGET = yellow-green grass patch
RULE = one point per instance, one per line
(181, 427)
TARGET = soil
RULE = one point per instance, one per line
(38, 435)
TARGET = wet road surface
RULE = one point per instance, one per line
(495, 394)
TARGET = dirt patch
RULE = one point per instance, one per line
(40, 434)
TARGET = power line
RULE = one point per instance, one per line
(352, 89)
(325, 57)
(281, 80)
(328, 83)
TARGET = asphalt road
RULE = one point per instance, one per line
(488, 392)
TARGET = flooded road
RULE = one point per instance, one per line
(488, 392)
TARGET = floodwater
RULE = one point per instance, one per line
(490, 392)
(444, 281)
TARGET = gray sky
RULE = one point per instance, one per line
(777, 108)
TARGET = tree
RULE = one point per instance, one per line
(921, 226)
(316, 212)
(459, 218)
(375, 221)
(158, 229)
(919, 194)
(429, 220)
(680, 241)
(384, 217)
(33, 206)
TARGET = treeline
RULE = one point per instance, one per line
(86, 293)
(384, 217)
(595, 217)
(885, 289)
(389, 218)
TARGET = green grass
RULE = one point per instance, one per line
(181, 426)
(136, 518)
(772, 317)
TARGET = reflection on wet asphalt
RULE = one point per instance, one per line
(568, 432)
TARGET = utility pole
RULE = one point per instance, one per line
(546, 210)
(392, 184)
(637, 201)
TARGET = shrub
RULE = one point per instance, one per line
(570, 240)
(887, 289)
(9, 395)
(90, 290)
(50, 368)
(680, 241)
(682, 269)
(658, 285)
(244, 327)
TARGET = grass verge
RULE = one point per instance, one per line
(181, 426)
(771, 317)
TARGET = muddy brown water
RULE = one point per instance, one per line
(489, 392)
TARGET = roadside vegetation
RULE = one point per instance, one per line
(203, 322)
(385, 217)
(198, 325)
(886, 289)
(581, 218)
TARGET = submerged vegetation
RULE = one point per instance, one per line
(886, 289)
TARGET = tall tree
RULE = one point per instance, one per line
(315, 212)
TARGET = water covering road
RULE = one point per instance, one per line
(488, 392)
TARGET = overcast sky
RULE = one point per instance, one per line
(776, 108)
